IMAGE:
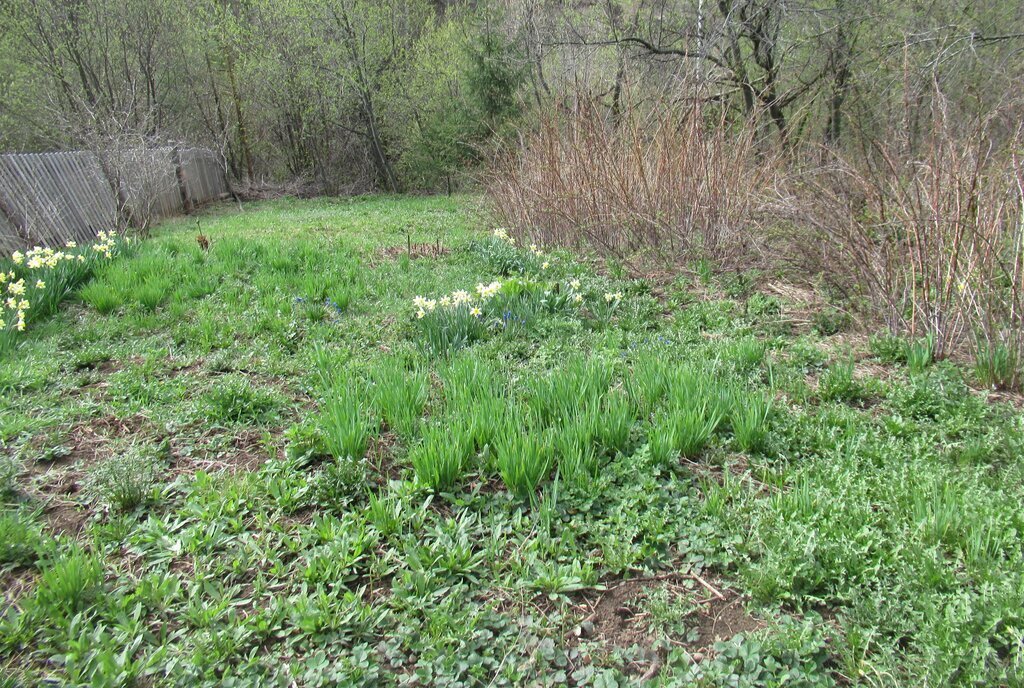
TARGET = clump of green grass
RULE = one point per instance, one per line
(347, 421)
(888, 348)
(580, 383)
(234, 399)
(997, 366)
(615, 422)
(684, 429)
(523, 456)
(99, 295)
(648, 383)
(830, 320)
(746, 354)
(126, 481)
(68, 586)
(921, 354)
(153, 291)
(10, 468)
(22, 542)
(573, 444)
(749, 420)
(839, 384)
(439, 460)
(443, 331)
(401, 396)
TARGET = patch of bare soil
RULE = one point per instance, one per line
(415, 251)
(65, 518)
(617, 617)
(247, 453)
(14, 586)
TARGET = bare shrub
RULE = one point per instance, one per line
(931, 237)
(675, 182)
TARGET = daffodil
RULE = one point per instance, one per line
(545, 265)
(420, 314)
(40, 284)
(575, 284)
(577, 298)
(475, 312)
(18, 257)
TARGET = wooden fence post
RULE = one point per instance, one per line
(179, 174)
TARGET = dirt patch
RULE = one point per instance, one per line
(16, 585)
(618, 616)
(66, 518)
(415, 251)
(245, 452)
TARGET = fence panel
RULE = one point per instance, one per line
(49, 199)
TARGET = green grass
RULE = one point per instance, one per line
(254, 465)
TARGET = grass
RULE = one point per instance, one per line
(267, 472)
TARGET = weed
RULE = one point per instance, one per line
(340, 483)
(22, 542)
(346, 422)
(996, 366)
(126, 481)
(400, 396)
(746, 354)
(888, 349)
(523, 456)
(439, 460)
(920, 354)
(234, 399)
(10, 469)
(68, 586)
(749, 420)
(615, 422)
(839, 384)
(830, 320)
(101, 296)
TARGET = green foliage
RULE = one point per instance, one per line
(444, 331)
(494, 76)
(997, 366)
(68, 586)
(234, 399)
(100, 296)
(10, 469)
(830, 320)
(126, 480)
(839, 384)
(347, 421)
(440, 459)
(400, 396)
(523, 457)
(921, 354)
(340, 483)
(746, 354)
(22, 542)
(541, 463)
(749, 420)
(888, 349)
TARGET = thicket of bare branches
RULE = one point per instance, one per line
(676, 181)
(932, 236)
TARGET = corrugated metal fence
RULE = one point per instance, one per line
(49, 199)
